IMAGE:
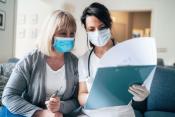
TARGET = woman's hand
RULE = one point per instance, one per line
(139, 92)
(53, 104)
(58, 114)
(47, 113)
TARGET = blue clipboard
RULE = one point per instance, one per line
(110, 87)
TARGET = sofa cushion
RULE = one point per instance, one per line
(138, 113)
(5, 72)
(13, 60)
(159, 114)
(3, 81)
(6, 69)
(162, 93)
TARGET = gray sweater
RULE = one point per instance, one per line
(25, 91)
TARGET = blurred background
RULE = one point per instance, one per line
(21, 21)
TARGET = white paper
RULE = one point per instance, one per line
(137, 51)
(134, 52)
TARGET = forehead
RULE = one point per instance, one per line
(92, 21)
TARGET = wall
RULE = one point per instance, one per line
(43, 8)
(30, 17)
(162, 21)
(7, 35)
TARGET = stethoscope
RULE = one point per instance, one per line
(89, 57)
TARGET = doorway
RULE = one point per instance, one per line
(130, 24)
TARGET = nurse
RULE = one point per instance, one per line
(97, 23)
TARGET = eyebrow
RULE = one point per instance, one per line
(102, 25)
(99, 25)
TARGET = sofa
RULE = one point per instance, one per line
(5, 72)
(161, 101)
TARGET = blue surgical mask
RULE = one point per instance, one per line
(63, 44)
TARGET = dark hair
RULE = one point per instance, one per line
(98, 10)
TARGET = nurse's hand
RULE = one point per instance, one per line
(139, 92)
(53, 104)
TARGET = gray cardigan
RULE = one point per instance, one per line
(25, 91)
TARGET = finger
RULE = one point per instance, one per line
(57, 98)
(53, 103)
(143, 90)
(133, 93)
(52, 106)
(139, 94)
(139, 87)
(133, 90)
(53, 100)
(137, 91)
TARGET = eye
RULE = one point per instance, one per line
(102, 27)
(72, 34)
(60, 34)
(63, 34)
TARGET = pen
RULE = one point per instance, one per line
(57, 93)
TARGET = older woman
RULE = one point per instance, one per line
(44, 82)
